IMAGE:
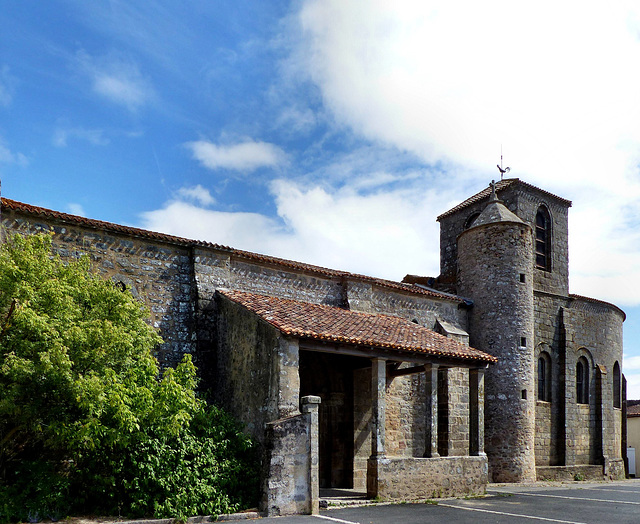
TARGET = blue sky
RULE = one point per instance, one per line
(330, 132)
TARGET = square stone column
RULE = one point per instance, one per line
(310, 405)
(476, 412)
(431, 411)
(378, 398)
(378, 419)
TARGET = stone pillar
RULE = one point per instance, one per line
(288, 377)
(378, 397)
(570, 408)
(604, 426)
(310, 405)
(378, 394)
(431, 411)
(476, 412)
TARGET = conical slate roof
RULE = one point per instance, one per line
(495, 211)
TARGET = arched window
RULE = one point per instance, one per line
(617, 397)
(470, 220)
(544, 377)
(543, 239)
(582, 381)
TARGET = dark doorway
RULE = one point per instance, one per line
(330, 377)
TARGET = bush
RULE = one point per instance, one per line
(87, 421)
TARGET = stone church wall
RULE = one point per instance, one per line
(158, 273)
(257, 376)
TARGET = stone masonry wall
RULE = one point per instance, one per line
(495, 265)
(524, 202)
(369, 298)
(428, 478)
(549, 442)
(288, 466)
(405, 416)
(158, 273)
(257, 369)
(594, 330)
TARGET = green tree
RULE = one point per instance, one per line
(87, 422)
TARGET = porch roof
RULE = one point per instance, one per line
(337, 325)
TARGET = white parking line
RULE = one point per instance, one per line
(335, 520)
(579, 498)
(532, 517)
(604, 488)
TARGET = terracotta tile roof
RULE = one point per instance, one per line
(501, 185)
(332, 324)
(162, 237)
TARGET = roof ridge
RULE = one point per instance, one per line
(501, 185)
(173, 239)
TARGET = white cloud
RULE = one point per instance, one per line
(76, 209)
(94, 136)
(386, 234)
(118, 79)
(10, 157)
(454, 82)
(197, 194)
(245, 156)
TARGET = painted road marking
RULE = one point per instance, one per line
(532, 517)
(335, 520)
(579, 498)
(615, 490)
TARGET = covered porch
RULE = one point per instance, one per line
(368, 402)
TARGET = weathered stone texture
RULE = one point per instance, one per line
(524, 202)
(288, 486)
(427, 478)
(257, 369)
(494, 269)
(158, 273)
(369, 298)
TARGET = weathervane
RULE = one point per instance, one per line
(506, 169)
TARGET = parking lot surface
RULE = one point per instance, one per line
(572, 503)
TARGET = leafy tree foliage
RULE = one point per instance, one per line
(87, 421)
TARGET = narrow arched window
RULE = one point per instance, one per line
(543, 239)
(582, 381)
(544, 377)
(617, 397)
(470, 220)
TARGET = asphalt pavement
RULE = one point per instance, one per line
(570, 503)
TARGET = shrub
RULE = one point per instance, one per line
(87, 421)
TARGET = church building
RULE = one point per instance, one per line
(433, 386)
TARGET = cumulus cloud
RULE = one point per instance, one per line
(62, 135)
(117, 79)
(197, 194)
(455, 82)
(246, 156)
(385, 234)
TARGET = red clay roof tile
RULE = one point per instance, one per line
(332, 324)
(143, 233)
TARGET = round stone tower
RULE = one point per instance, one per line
(495, 270)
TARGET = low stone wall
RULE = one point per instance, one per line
(427, 478)
(614, 470)
(291, 463)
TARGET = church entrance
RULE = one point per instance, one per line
(330, 377)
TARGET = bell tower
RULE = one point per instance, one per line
(495, 269)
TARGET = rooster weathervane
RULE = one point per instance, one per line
(502, 171)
